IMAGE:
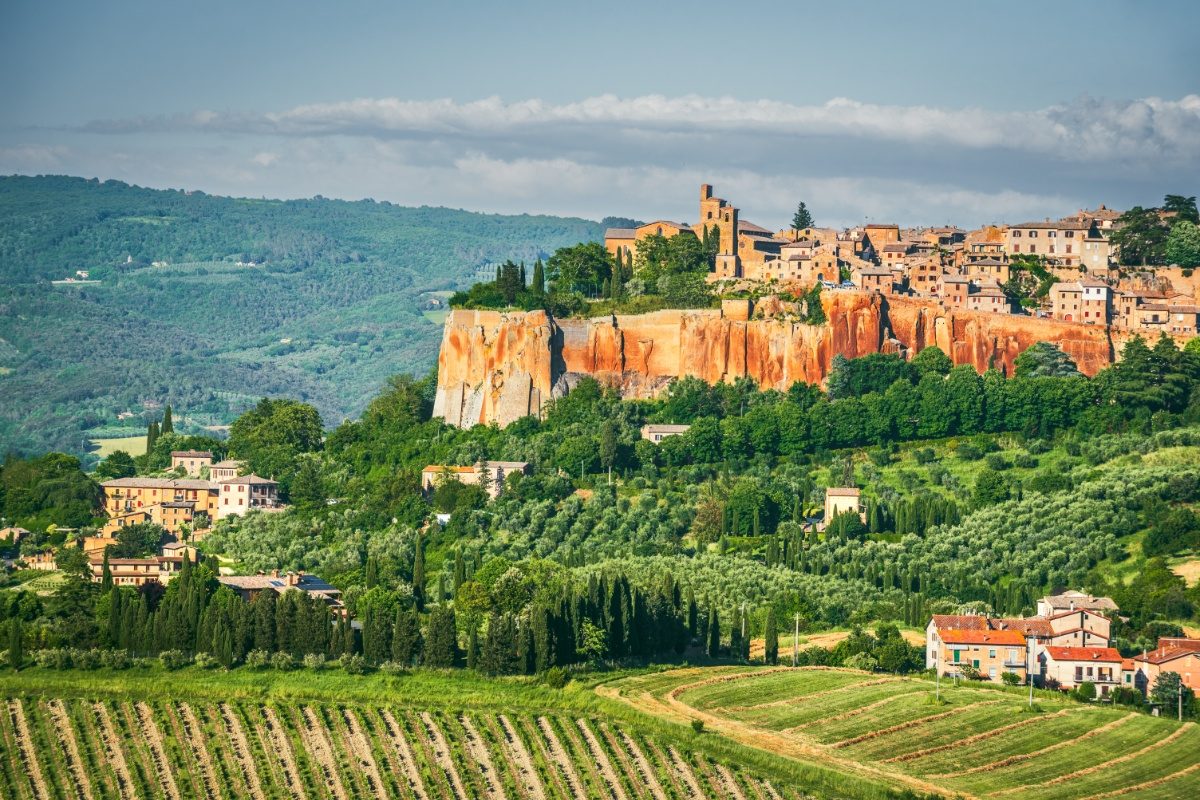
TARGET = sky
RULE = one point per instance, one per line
(916, 113)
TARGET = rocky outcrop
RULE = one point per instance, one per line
(500, 366)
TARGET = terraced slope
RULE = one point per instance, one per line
(65, 748)
(974, 741)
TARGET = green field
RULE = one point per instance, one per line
(974, 741)
(134, 445)
(265, 734)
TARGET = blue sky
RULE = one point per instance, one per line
(964, 112)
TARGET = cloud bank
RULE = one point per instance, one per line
(643, 156)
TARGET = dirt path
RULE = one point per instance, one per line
(400, 748)
(66, 737)
(645, 770)
(684, 770)
(158, 751)
(441, 753)
(596, 750)
(1137, 787)
(1071, 776)
(477, 749)
(282, 749)
(312, 733)
(1004, 762)
(796, 747)
(516, 750)
(559, 754)
(113, 751)
(359, 748)
(16, 712)
(195, 741)
(241, 751)
(979, 737)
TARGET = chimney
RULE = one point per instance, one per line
(274, 573)
(705, 191)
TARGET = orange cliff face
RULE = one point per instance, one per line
(500, 366)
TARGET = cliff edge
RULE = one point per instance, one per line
(498, 366)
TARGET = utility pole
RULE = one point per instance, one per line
(796, 642)
(1029, 673)
(1181, 698)
(937, 671)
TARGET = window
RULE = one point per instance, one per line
(1070, 234)
(1051, 234)
(1033, 234)
(1016, 235)
(1033, 248)
(992, 673)
(992, 652)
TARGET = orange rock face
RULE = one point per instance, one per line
(498, 367)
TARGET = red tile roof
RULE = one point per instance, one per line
(962, 622)
(982, 637)
(1105, 654)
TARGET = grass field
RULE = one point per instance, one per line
(975, 741)
(428, 735)
(134, 445)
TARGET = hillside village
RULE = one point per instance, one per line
(1067, 269)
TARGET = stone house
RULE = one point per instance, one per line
(192, 461)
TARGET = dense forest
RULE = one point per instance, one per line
(209, 303)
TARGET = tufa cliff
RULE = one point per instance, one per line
(499, 366)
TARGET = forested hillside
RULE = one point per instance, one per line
(212, 302)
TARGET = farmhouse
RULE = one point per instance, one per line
(656, 433)
(1067, 667)
(839, 500)
(250, 586)
(490, 473)
(137, 571)
(1178, 655)
(224, 470)
(129, 501)
(239, 495)
(990, 652)
(192, 461)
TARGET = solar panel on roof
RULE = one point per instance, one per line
(276, 583)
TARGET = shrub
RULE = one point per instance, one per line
(863, 661)
(1010, 679)
(925, 455)
(257, 659)
(698, 725)
(173, 659)
(968, 452)
(354, 665)
(970, 672)
(282, 661)
(115, 659)
(997, 462)
(1037, 446)
(392, 668)
(314, 661)
(1024, 461)
(1085, 691)
(85, 659)
(205, 660)
(556, 677)
(53, 658)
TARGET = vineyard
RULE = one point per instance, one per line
(973, 741)
(67, 748)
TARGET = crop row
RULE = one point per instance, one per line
(52, 749)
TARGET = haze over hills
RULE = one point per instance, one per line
(212, 302)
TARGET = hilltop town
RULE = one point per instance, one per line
(1070, 269)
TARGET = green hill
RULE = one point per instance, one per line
(318, 299)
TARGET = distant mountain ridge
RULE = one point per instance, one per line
(209, 302)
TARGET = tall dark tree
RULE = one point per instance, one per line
(418, 574)
(1184, 208)
(771, 636)
(16, 643)
(802, 219)
(168, 423)
(106, 576)
(151, 436)
(539, 278)
(406, 637)
(714, 633)
(441, 638)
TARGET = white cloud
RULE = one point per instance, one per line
(1086, 129)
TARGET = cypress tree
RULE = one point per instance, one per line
(526, 655)
(771, 635)
(460, 570)
(151, 436)
(106, 579)
(263, 627)
(714, 633)
(539, 278)
(473, 647)
(16, 643)
(498, 273)
(692, 615)
(441, 638)
(168, 424)
(116, 610)
(418, 574)
(406, 637)
(372, 575)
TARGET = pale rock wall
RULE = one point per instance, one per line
(499, 366)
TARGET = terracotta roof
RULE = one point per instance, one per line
(158, 483)
(1178, 641)
(1080, 600)
(191, 454)
(249, 480)
(960, 622)
(1030, 626)
(842, 492)
(1105, 654)
(1161, 655)
(1063, 614)
(620, 233)
(745, 226)
(959, 636)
